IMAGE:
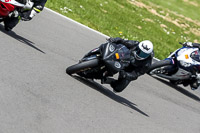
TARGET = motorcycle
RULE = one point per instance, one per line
(179, 67)
(9, 6)
(103, 62)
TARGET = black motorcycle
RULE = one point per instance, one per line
(103, 62)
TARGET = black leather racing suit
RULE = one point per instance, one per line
(11, 22)
(134, 70)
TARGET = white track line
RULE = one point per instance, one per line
(77, 22)
(82, 25)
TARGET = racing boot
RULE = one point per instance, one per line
(195, 84)
(107, 80)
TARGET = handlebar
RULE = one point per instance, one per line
(181, 43)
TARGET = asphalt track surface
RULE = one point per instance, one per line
(37, 96)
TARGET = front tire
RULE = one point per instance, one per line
(82, 66)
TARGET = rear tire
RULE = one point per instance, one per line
(82, 66)
(158, 64)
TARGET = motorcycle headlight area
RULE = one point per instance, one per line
(185, 64)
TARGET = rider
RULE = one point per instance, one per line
(24, 14)
(140, 61)
(195, 72)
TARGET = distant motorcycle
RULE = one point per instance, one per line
(180, 67)
(106, 62)
(9, 6)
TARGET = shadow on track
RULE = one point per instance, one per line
(180, 89)
(109, 94)
(20, 38)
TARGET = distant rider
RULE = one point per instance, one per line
(24, 14)
(195, 72)
(140, 61)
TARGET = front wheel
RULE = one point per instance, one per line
(82, 66)
(157, 68)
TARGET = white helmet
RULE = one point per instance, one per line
(144, 49)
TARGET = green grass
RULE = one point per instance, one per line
(165, 23)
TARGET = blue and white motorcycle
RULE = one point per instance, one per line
(181, 67)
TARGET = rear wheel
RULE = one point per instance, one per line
(82, 66)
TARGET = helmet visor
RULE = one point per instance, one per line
(140, 55)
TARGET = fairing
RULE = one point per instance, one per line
(110, 60)
(186, 59)
(5, 9)
(7, 6)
